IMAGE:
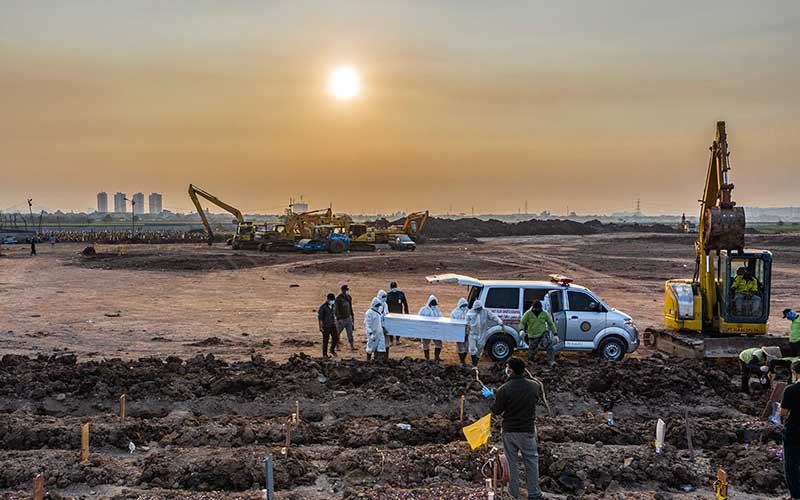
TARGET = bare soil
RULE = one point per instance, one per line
(206, 342)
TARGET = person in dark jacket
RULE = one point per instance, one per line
(343, 309)
(397, 303)
(516, 402)
(327, 325)
(33, 246)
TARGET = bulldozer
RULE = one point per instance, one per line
(713, 314)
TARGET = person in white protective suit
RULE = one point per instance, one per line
(479, 320)
(460, 313)
(382, 297)
(431, 309)
(373, 327)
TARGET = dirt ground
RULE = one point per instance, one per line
(205, 342)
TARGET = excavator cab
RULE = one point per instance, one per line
(743, 282)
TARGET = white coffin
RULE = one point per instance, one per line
(425, 327)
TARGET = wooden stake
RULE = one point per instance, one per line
(85, 444)
(297, 409)
(38, 487)
(122, 408)
(461, 414)
(288, 434)
(689, 433)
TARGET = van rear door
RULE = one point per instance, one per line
(554, 304)
(454, 278)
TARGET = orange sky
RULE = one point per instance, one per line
(464, 103)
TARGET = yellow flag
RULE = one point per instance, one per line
(478, 432)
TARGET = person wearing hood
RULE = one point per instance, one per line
(373, 327)
(431, 310)
(460, 313)
(479, 320)
(384, 311)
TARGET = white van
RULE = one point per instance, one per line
(583, 320)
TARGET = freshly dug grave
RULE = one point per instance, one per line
(204, 425)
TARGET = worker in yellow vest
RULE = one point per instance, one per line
(753, 361)
(794, 331)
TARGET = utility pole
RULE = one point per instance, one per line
(133, 216)
(30, 211)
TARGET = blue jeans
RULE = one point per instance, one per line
(525, 443)
(791, 463)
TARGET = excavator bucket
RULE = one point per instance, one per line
(724, 228)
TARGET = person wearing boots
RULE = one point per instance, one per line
(384, 311)
(540, 330)
(479, 320)
(327, 325)
(396, 300)
(373, 327)
(460, 313)
(431, 310)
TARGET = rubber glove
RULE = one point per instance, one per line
(487, 393)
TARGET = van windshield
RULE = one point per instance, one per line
(474, 293)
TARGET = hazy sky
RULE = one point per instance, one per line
(465, 103)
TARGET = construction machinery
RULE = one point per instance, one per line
(245, 236)
(713, 314)
(326, 238)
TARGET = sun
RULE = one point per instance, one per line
(344, 83)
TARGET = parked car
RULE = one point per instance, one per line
(10, 240)
(584, 322)
(402, 242)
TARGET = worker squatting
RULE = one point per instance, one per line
(336, 315)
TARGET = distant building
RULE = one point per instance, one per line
(138, 203)
(299, 208)
(155, 205)
(102, 202)
(120, 205)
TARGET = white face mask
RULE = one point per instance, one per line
(331, 302)
(508, 372)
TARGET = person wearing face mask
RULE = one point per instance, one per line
(384, 311)
(516, 402)
(327, 325)
(344, 315)
(479, 320)
(460, 313)
(373, 327)
(397, 303)
(541, 330)
(431, 310)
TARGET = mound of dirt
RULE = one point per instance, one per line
(478, 228)
(451, 259)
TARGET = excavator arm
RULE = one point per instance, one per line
(415, 223)
(195, 191)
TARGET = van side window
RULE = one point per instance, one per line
(502, 298)
(531, 294)
(579, 301)
(556, 302)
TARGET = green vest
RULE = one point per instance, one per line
(536, 326)
(794, 332)
(746, 355)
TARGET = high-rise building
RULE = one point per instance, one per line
(154, 201)
(138, 203)
(120, 205)
(102, 202)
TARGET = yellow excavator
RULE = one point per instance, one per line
(245, 237)
(720, 310)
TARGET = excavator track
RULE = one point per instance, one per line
(703, 345)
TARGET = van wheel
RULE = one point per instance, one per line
(612, 349)
(500, 348)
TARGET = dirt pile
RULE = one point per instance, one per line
(204, 425)
(478, 228)
(173, 261)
